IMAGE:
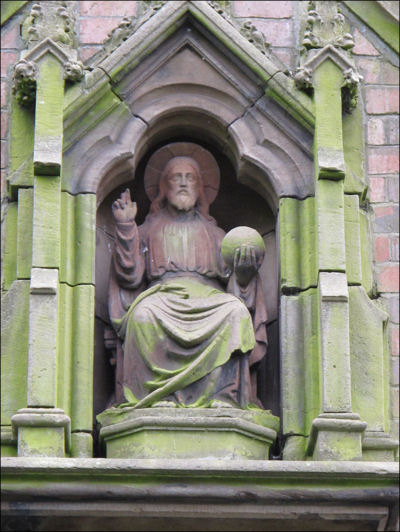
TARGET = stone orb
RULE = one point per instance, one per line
(238, 237)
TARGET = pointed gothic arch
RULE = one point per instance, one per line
(188, 84)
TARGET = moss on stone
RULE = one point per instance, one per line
(298, 249)
(41, 441)
(328, 80)
(330, 221)
(368, 364)
(22, 128)
(352, 239)
(64, 347)
(46, 222)
(366, 254)
(9, 8)
(300, 363)
(49, 117)
(78, 239)
(9, 247)
(379, 20)
(14, 349)
(24, 233)
(42, 372)
(353, 147)
(82, 358)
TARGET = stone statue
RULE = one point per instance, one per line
(192, 326)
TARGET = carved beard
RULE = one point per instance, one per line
(183, 200)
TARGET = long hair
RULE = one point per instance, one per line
(160, 201)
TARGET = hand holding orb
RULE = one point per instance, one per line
(243, 251)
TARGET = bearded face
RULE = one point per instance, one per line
(183, 185)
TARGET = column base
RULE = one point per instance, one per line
(378, 447)
(8, 441)
(336, 436)
(41, 432)
(81, 445)
(225, 433)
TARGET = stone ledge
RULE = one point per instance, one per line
(124, 494)
(270, 471)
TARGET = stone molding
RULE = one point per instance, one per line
(378, 442)
(351, 78)
(41, 417)
(255, 36)
(245, 489)
(147, 9)
(269, 470)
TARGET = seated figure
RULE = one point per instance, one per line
(192, 330)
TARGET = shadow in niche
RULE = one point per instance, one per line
(235, 205)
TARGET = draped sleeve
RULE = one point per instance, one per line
(253, 297)
(128, 261)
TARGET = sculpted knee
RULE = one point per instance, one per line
(142, 313)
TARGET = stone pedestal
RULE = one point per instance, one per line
(379, 447)
(42, 432)
(225, 433)
(336, 436)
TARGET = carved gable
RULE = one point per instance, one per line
(186, 78)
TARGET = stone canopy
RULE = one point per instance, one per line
(188, 61)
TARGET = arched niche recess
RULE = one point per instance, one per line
(252, 203)
(178, 81)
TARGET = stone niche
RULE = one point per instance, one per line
(190, 89)
(235, 205)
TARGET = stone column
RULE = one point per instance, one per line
(42, 429)
(336, 434)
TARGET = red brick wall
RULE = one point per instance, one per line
(96, 20)
(381, 97)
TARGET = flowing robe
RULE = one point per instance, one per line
(184, 338)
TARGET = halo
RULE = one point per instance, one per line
(207, 163)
